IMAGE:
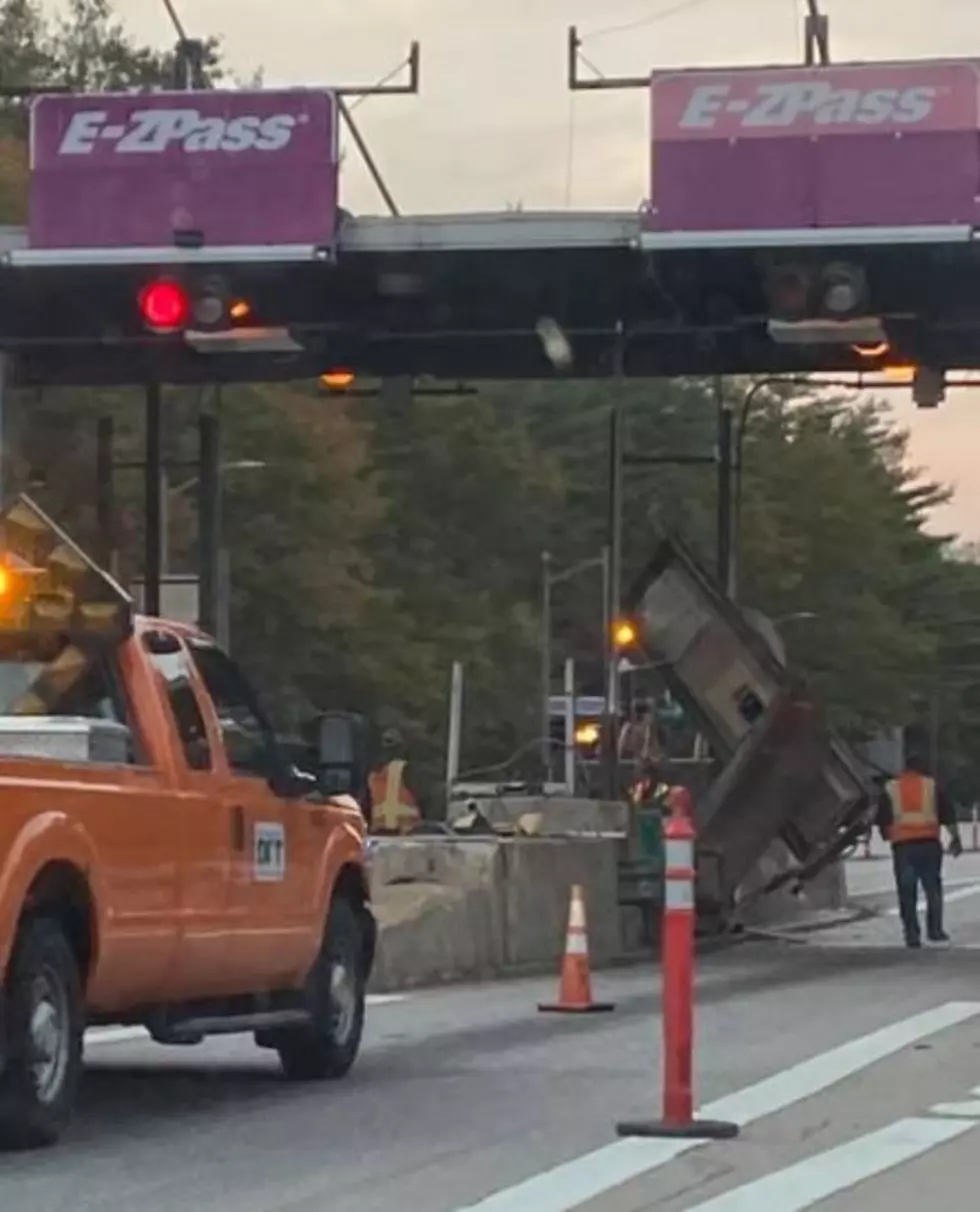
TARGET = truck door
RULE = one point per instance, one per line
(201, 829)
(273, 878)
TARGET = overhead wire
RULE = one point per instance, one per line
(389, 76)
(661, 14)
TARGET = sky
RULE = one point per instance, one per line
(496, 125)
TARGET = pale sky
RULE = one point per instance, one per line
(495, 124)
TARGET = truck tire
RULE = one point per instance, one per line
(43, 1031)
(336, 994)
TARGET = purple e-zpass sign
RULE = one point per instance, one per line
(135, 170)
(855, 145)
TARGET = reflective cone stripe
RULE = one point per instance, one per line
(577, 938)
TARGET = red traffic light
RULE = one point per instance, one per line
(164, 305)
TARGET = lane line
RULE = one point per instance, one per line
(884, 889)
(575, 1182)
(808, 1182)
(969, 1110)
(959, 895)
(122, 1035)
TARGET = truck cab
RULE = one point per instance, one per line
(164, 860)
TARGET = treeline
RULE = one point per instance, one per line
(386, 537)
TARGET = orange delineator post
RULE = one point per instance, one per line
(575, 990)
(677, 999)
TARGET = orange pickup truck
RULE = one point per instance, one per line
(164, 859)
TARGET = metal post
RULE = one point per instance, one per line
(546, 665)
(455, 727)
(209, 520)
(934, 729)
(726, 570)
(164, 523)
(153, 483)
(615, 569)
(570, 726)
(222, 627)
(4, 369)
(105, 511)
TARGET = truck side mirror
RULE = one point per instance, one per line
(342, 762)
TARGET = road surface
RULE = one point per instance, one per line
(840, 1055)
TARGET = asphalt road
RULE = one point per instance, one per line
(470, 1099)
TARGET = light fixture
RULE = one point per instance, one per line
(338, 379)
(863, 330)
(843, 289)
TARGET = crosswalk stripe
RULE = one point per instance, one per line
(808, 1182)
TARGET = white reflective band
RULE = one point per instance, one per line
(576, 915)
(679, 854)
(576, 944)
(679, 894)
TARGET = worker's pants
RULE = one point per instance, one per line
(919, 862)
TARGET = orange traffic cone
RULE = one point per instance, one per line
(575, 990)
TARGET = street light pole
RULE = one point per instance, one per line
(726, 419)
(546, 664)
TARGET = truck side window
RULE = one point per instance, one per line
(175, 670)
(248, 740)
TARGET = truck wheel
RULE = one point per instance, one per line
(329, 1045)
(43, 1029)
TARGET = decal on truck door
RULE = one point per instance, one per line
(268, 852)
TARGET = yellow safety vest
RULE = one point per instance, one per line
(914, 815)
(394, 808)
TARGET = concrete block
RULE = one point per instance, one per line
(560, 815)
(538, 877)
(457, 910)
(439, 905)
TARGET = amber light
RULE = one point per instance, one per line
(337, 380)
(240, 309)
(624, 634)
(587, 734)
(872, 351)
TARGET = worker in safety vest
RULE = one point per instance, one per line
(394, 808)
(912, 810)
(639, 747)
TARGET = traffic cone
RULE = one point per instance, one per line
(575, 990)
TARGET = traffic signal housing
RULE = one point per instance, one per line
(176, 304)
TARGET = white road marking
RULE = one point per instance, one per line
(585, 1178)
(885, 889)
(123, 1035)
(959, 895)
(969, 1110)
(808, 1182)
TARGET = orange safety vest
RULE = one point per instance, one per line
(394, 808)
(914, 815)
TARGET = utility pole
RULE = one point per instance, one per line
(816, 35)
(726, 422)
(610, 749)
(546, 665)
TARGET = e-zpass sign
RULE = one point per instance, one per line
(152, 131)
